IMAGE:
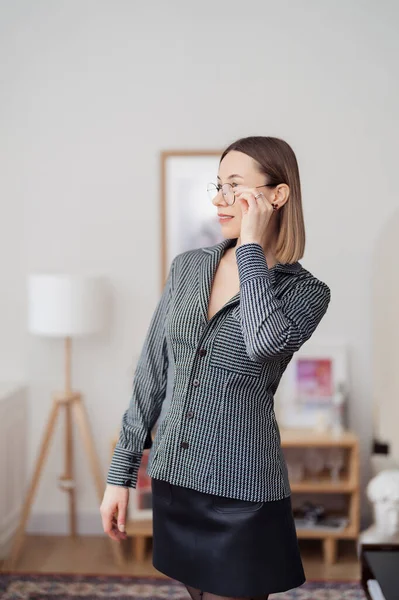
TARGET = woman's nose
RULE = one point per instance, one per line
(219, 199)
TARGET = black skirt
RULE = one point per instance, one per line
(224, 546)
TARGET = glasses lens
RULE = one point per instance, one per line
(212, 191)
(228, 193)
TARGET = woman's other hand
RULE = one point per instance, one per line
(113, 511)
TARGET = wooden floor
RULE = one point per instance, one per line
(92, 555)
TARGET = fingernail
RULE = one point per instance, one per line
(121, 527)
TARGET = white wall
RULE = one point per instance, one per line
(386, 335)
(91, 91)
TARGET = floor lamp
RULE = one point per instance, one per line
(64, 306)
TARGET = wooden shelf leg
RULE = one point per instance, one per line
(330, 550)
(139, 548)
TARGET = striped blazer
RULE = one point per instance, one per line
(219, 433)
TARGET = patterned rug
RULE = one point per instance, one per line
(24, 586)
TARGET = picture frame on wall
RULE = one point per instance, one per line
(314, 387)
(189, 219)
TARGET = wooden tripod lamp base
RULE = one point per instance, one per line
(74, 411)
(64, 306)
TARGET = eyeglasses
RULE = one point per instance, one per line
(227, 189)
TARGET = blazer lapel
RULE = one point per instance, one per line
(207, 270)
(235, 313)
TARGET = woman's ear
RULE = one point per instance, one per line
(281, 194)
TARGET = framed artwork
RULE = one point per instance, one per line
(189, 219)
(309, 387)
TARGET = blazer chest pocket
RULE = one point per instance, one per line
(229, 351)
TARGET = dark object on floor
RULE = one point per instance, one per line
(381, 562)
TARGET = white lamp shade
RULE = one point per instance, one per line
(65, 305)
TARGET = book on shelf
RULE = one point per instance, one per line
(324, 524)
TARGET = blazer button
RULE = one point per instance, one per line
(196, 382)
(202, 351)
(127, 482)
(190, 415)
(184, 445)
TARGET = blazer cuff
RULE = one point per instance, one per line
(124, 467)
(251, 262)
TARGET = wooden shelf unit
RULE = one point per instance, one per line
(349, 483)
(141, 530)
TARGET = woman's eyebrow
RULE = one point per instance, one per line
(233, 176)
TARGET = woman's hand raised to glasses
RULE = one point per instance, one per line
(256, 212)
(113, 511)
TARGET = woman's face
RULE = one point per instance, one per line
(240, 170)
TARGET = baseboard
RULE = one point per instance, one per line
(7, 528)
(58, 524)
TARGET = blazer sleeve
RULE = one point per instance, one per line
(275, 327)
(148, 393)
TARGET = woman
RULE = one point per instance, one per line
(229, 320)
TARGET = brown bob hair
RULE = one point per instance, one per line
(276, 159)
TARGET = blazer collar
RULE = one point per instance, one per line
(208, 268)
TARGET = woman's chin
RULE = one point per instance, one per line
(230, 229)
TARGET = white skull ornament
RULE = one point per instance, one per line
(383, 492)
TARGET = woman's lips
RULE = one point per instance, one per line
(223, 218)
